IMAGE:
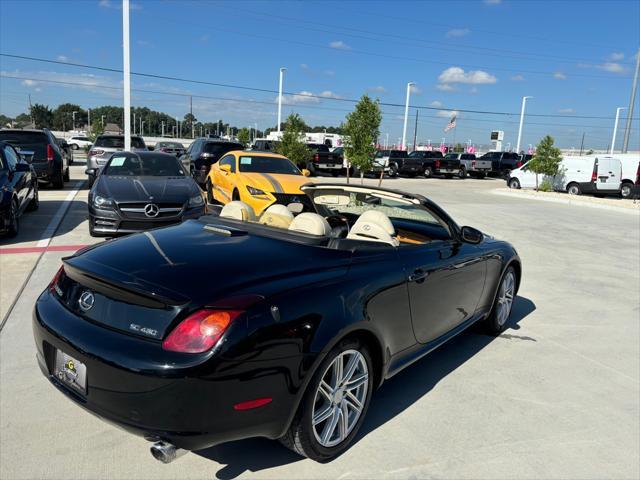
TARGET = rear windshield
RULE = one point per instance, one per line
(150, 165)
(398, 153)
(220, 148)
(382, 153)
(34, 141)
(169, 145)
(118, 142)
(451, 155)
(261, 164)
(317, 147)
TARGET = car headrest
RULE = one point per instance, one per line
(238, 210)
(311, 223)
(374, 226)
(277, 216)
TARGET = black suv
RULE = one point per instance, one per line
(204, 152)
(48, 161)
(502, 162)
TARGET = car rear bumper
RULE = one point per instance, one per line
(110, 222)
(159, 395)
(45, 171)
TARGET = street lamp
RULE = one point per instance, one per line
(73, 116)
(102, 120)
(615, 128)
(282, 70)
(406, 115)
(524, 102)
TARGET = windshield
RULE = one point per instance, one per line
(150, 165)
(220, 148)
(451, 155)
(261, 164)
(169, 145)
(32, 141)
(118, 142)
(317, 147)
(382, 153)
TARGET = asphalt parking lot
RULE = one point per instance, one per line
(556, 396)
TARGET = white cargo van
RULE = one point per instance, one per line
(598, 174)
(630, 173)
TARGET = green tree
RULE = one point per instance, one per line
(4, 121)
(361, 130)
(42, 116)
(23, 119)
(244, 136)
(546, 160)
(292, 144)
(63, 117)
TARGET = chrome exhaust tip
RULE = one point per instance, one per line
(166, 452)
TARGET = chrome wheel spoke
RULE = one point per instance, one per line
(343, 430)
(330, 426)
(321, 416)
(337, 372)
(352, 364)
(326, 390)
(357, 382)
(353, 402)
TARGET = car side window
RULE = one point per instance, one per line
(229, 160)
(11, 157)
(195, 148)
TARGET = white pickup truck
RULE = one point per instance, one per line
(473, 166)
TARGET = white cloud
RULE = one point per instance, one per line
(329, 73)
(105, 3)
(339, 45)
(29, 83)
(302, 97)
(378, 89)
(611, 67)
(616, 56)
(473, 90)
(446, 113)
(416, 90)
(517, 78)
(304, 66)
(559, 76)
(458, 32)
(492, 2)
(63, 58)
(445, 87)
(473, 77)
(436, 104)
(329, 94)
(566, 110)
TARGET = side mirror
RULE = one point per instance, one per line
(225, 168)
(92, 172)
(306, 172)
(471, 235)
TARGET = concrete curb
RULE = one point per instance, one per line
(566, 201)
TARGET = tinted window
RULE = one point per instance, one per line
(150, 165)
(382, 153)
(221, 148)
(468, 156)
(11, 157)
(398, 153)
(317, 147)
(268, 165)
(511, 156)
(34, 141)
(451, 155)
(117, 141)
(229, 160)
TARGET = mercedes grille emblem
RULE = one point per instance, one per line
(86, 301)
(151, 210)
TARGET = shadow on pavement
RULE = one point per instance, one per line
(395, 395)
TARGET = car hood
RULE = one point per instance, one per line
(138, 189)
(274, 182)
(194, 265)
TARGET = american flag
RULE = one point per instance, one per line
(451, 124)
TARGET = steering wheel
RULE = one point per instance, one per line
(339, 226)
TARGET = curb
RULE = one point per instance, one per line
(565, 201)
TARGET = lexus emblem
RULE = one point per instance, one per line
(151, 210)
(86, 301)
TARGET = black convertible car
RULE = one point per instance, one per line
(233, 326)
(138, 191)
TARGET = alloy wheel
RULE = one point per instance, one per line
(340, 398)
(505, 297)
(625, 190)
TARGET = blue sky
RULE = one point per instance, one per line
(573, 57)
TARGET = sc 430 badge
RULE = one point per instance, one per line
(150, 332)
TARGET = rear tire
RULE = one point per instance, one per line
(428, 172)
(210, 197)
(34, 204)
(393, 170)
(67, 175)
(14, 223)
(626, 189)
(498, 319)
(514, 183)
(574, 189)
(235, 195)
(58, 180)
(462, 174)
(317, 430)
(74, 146)
(481, 175)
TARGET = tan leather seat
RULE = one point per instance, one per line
(374, 226)
(277, 216)
(238, 210)
(311, 223)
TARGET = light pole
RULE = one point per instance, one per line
(632, 101)
(615, 128)
(141, 132)
(102, 121)
(127, 75)
(162, 123)
(386, 143)
(524, 102)
(89, 120)
(134, 123)
(406, 115)
(282, 70)
(73, 116)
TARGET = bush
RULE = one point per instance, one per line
(546, 185)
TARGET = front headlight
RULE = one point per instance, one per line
(255, 191)
(196, 201)
(102, 202)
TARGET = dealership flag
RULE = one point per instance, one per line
(451, 124)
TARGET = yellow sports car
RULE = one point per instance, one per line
(257, 178)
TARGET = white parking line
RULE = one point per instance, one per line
(57, 218)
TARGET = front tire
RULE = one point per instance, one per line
(462, 173)
(393, 170)
(34, 204)
(514, 183)
(235, 195)
(497, 320)
(428, 172)
(334, 405)
(210, 198)
(14, 223)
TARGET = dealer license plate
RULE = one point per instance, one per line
(71, 372)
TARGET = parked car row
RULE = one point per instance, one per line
(616, 174)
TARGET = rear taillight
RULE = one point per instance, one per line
(95, 152)
(638, 175)
(53, 286)
(200, 331)
(316, 158)
(473, 164)
(594, 174)
(437, 163)
(49, 153)
(519, 164)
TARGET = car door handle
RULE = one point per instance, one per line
(418, 275)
